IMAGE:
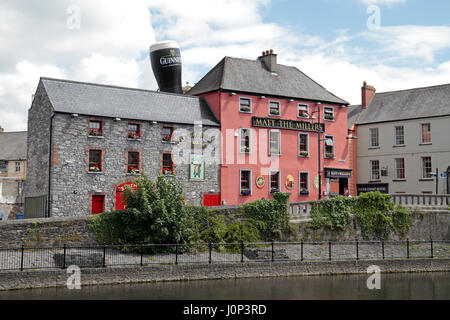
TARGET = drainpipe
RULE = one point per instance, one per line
(50, 166)
(448, 181)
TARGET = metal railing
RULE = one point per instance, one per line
(23, 258)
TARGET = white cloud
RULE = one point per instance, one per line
(385, 2)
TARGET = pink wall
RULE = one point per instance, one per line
(226, 107)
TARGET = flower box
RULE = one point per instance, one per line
(94, 168)
(166, 171)
(167, 138)
(329, 155)
(134, 136)
(245, 192)
(133, 170)
(274, 113)
(329, 118)
(95, 133)
(304, 192)
(304, 153)
(244, 109)
(274, 190)
(246, 150)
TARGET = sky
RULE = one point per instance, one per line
(391, 44)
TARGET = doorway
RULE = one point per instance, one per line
(343, 186)
(98, 204)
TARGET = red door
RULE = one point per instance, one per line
(120, 201)
(210, 200)
(98, 204)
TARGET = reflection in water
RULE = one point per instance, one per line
(393, 286)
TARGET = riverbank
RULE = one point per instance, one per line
(28, 279)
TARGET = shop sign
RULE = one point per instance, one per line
(369, 187)
(338, 173)
(197, 167)
(287, 124)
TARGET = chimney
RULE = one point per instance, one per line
(269, 59)
(367, 93)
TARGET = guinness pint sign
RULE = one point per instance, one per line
(287, 124)
(166, 64)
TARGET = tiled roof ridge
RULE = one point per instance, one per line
(413, 89)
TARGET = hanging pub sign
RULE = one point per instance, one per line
(289, 181)
(197, 167)
(287, 124)
(260, 181)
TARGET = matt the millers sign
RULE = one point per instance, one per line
(287, 124)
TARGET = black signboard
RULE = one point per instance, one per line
(338, 173)
(381, 187)
(287, 124)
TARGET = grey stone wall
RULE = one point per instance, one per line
(92, 276)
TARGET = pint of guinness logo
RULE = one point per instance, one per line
(166, 64)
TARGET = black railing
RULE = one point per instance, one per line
(21, 258)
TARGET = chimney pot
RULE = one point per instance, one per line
(271, 51)
(367, 93)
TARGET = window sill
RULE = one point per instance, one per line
(372, 148)
(303, 194)
(244, 111)
(131, 139)
(398, 146)
(97, 137)
(374, 181)
(425, 144)
(93, 172)
(168, 142)
(331, 120)
(426, 179)
(399, 180)
(301, 156)
(274, 115)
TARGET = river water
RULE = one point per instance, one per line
(403, 286)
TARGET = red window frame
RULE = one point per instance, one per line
(94, 131)
(134, 133)
(95, 160)
(133, 164)
(167, 163)
(166, 133)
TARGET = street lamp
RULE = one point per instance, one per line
(318, 142)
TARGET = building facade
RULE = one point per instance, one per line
(403, 140)
(86, 142)
(271, 117)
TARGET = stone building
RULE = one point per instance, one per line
(86, 140)
(13, 154)
(402, 139)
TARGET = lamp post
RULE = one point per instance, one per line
(318, 143)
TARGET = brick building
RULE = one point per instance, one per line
(86, 140)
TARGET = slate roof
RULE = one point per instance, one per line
(244, 75)
(352, 114)
(127, 103)
(407, 104)
(13, 146)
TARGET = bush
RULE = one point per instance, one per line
(333, 213)
(402, 220)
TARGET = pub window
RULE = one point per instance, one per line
(399, 136)
(245, 105)
(245, 182)
(375, 170)
(274, 142)
(274, 108)
(374, 141)
(329, 147)
(167, 164)
(303, 147)
(167, 132)
(17, 167)
(134, 131)
(133, 165)
(95, 160)
(95, 128)
(426, 133)
(400, 168)
(328, 113)
(274, 181)
(303, 111)
(303, 183)
(245, 140)
(426, 167)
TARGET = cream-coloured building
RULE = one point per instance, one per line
(403, 137)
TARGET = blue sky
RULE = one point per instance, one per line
(329, 40)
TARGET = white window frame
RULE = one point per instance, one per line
(298, 110)
(325, 146)
(250, 140)
(328, 107)
(279, 108)
(396, 168)
(422, 167)
(371, 140)
(270, 180)
(396, 136)
(249, 181)
(372, 178)
(307, 143)
(279, 142)
(17, 165)
(421, 133)
(245, 98)
(307, 183)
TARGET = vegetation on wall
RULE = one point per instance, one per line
(333, 213)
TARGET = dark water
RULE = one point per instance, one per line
(428, 286)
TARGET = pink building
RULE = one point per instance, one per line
(269, 124)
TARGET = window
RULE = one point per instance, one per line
(426, 167)
(274, 142)
(3, 166)
(302, 111)
(400, 168)
(95, 128)
(246, 178)
(303, 183)
(329, 147)
(426, 133)
(245, 105)
(245, 139)
(95, 160)
(133, 162)
(274, 108)
(328, 113)
(375, 170)
(17, 167)
(303, 144)
(399, 136)
(167, 164)
(374, 142)
(134, 131)
(274, 181)
(167, 133)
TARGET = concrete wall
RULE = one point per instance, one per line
(412, 151)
